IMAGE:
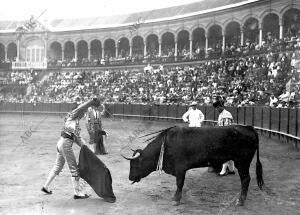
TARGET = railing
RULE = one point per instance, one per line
(276, 122)
(139, 61)
(29, 65)
(211, 55)
(5, 66)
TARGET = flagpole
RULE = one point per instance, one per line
(41, 14)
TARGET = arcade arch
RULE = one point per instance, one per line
(2, 52)
(69, 51)
(82, 50)
(251, 30)
(137, 46)
(291, 22)
(233, 34)
(168, 44)
(95, 50)
(152, 45)
(183, 42)
(109, 48)
(199, 42)
(215, 36)
(55, 51)
(199, 38)
(33, 50)
(270, 26)
(12, 51)
(123, 47)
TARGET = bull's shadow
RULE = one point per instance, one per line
(208, 190)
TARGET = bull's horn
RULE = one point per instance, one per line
(136, 155)
(133, 157)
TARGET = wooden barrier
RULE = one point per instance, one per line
(282, 122)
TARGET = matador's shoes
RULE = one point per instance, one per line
(81, 197)
(46, 190)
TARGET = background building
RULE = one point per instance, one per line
(181, 32)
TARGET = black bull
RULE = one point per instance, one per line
(187, 148)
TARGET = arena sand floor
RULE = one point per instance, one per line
(24, 167)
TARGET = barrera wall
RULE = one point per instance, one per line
(282, 122)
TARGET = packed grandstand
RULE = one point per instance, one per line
(253, 60)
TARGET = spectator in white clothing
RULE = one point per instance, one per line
(285, 97)
(193, 116)
(225, 118)
(273, 101)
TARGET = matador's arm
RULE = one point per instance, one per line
(83, 108)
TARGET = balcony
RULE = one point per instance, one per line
(28, 65)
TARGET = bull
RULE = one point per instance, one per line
(187, 148)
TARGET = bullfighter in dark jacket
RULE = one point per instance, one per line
(94, 128)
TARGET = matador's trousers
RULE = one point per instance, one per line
(65, 153)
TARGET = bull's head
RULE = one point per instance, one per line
(141, 165)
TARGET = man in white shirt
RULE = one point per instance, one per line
(273, 101)
(285, 96)
(225, 118)
(193, 116)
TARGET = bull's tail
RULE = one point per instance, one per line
(259, 169)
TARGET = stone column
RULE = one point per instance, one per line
(62, 54)
(46, 49)
(159, 48)
(130, 48)
(89, 51)
(191, 48)
(223, 42)
(5, 57)
(145, 49)
(206, 43)
(75, 54)
(242, 37)
(260, 36)
(280, 28)
(280, 32)
(117, 51)
(18, 49)
(176, 44)
(102, 53)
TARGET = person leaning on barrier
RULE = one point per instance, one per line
(193, 116)
(225, 118)
(70, 134)
(94, 128)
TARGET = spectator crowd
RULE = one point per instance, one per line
(248, 75)
(254, 80)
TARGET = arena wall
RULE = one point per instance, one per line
(280, 120)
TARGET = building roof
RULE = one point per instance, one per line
(201, 7)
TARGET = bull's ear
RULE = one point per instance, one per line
(137, 151)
